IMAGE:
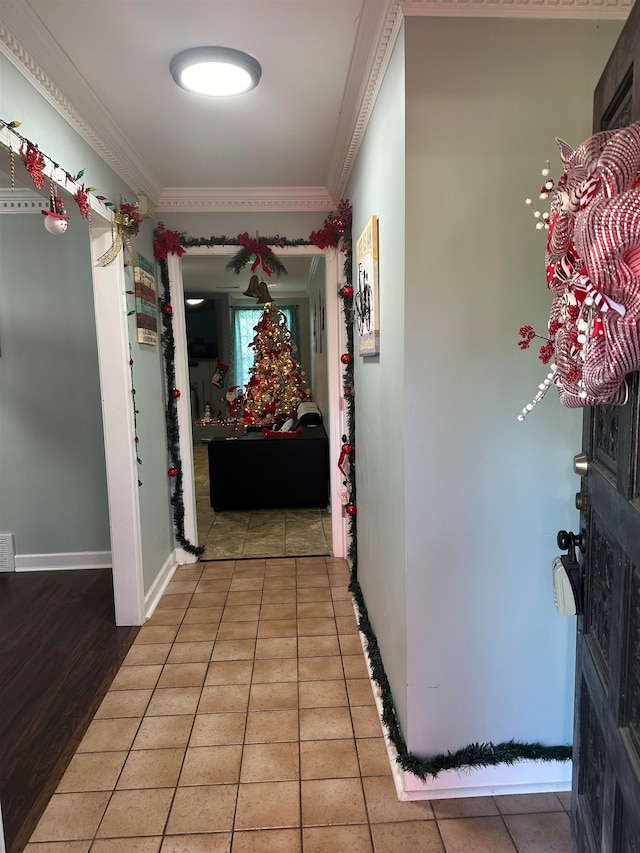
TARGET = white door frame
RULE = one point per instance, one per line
(334, 375)
(116, 392)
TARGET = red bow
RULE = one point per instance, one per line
(260, 250)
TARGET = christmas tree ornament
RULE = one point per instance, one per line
(347, 292)
(351, 509)
(345, 358)
(175, 393)
(219, 374)
(167, 309)
(263, 293)
(252, 290)
(56, 220)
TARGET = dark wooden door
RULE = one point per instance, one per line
(606, 773)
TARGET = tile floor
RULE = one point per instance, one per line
(243, 721)
(258, 533)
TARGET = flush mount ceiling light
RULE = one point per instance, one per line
(194, 301)
(215, 71)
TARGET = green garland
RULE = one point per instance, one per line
(173, 430)
(474, 755)
(349, 396)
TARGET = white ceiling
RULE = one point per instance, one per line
(109, 59)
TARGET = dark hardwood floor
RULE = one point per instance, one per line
(59, 652)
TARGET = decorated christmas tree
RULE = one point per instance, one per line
(275, 387)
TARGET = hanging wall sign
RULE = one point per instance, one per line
(146, 303)
(365, 300)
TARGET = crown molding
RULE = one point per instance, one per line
(378, 29)
(593, 10)
(23, 36)
(232, 199)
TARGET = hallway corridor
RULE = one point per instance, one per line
(243, 721)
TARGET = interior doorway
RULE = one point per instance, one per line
(192, 482)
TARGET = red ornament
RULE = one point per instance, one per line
(82, 200)
(172, 472)
(167, 309)
(34, 163)
(175, 393)
(351, 509)
(347, 291)
(348, 391)
(345, 358)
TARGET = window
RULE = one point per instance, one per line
(243, 323)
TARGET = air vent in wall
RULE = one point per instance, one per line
(7, 553)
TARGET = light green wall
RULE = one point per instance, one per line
(63, 380)
(376, 187)
(489, 658)
(53, 487)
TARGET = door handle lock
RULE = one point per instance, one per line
(567, 574)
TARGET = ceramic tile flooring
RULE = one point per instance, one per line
(258, 533)
(243, 721)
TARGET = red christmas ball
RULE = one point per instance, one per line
(167, 309)
(347, 448)
(175, 393)
(172, 472)
(345, 358)
(347, 291)
(348, 391)
(351, 509)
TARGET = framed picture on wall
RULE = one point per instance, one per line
(365, 300)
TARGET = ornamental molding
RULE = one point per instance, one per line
(23, 36)
(377, 32)
(598, 10)
(238, 199)
(22, 200)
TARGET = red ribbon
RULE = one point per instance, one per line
(344, 452)
(260, 250)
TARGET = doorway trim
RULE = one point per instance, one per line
(112, 334)
(334, 378)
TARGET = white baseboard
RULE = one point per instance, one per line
(159, 585)
(523, 777)
(63, 561)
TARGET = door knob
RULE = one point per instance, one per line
(581, 464)
(567, 574)
(568, 541)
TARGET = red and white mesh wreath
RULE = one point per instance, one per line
(593, 270)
